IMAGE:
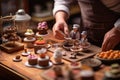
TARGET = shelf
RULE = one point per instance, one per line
(74, 10)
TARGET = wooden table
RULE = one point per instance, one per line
(33, 73)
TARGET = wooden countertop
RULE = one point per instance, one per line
(32, 73)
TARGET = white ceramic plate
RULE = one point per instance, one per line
(25, 54)
(37, 66)
(39, 35)
(17, 60)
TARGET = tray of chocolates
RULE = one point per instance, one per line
(74, 53)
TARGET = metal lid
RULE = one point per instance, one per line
(22, 16)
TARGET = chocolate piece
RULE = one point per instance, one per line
(18, 57)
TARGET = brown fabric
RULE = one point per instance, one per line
(96, 18)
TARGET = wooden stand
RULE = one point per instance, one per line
(29, 42)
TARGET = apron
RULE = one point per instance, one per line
(96, 19)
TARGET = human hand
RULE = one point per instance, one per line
(60, 29)
(111, 39)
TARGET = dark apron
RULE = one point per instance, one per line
(96, 19)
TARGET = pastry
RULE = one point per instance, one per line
(14, 37)
(43, 61)
(17, 58)
(32, 59)
(10, 29)
(42, 28)
(40, 41)
(29, 32)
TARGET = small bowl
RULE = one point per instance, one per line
(67, 45)
(91, 62)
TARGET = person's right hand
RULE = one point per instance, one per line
(60, 29)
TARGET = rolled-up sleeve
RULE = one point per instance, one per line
(61, 5)
(117, 24)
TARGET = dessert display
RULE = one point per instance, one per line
(17, 58)
(42, 28)
(32, 59)
(10, 35)
(11, 39)
(68, 51)
(41, 61)
(29, 39)
(72, 50)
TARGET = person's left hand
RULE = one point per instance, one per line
(111, 39)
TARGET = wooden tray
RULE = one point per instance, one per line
(91, 51)
(19, 46)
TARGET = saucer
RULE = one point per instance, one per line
(25, 54)
(39, 35)
(86, 46)
(17, 60)
(38, 66)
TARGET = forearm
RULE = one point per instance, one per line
(61, 16)
(61, 9)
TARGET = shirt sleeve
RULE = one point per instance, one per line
(61, 5)
(117, 24)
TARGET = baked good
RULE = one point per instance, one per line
(38, 44)
(17, 57)
(109, 55)
(14, 37)
(29, 32)
(42, 28)
(32, 59)
(40, 41)
(43, 61)
(10, 29)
